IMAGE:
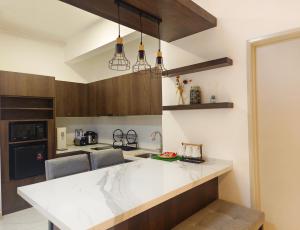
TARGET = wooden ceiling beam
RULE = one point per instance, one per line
(180, 18)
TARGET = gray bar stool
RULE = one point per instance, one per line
(66, 166)
(105, 158)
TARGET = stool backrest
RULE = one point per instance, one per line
(105, 158)
(66, 166)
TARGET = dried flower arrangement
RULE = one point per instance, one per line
(180, 88)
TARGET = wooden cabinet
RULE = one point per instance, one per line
(21, 84)
(11, 201)
(71, 99)
(122, 90)
(101, 97)
(140, 101)
(105, 98)
(156, 96)
(133, 94)
(130, 94)
(92, 98)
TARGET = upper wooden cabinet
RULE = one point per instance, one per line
(156, 96)
(92, 98)
(101, 97)
(122, 104)
(21, 84)
(137, 94)
(105, 97)
(130, 94)
(146, 94)
(71, 99)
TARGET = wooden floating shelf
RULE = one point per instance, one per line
(48, 109)
(203, 66)
(221, 105)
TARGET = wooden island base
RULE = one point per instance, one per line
(171, 212)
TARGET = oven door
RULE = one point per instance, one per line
(27, 160)
(23, 131)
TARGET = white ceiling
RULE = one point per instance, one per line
(45, 19)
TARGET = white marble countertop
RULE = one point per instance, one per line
(102, 198)
(88, 148)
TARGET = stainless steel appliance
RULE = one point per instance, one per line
(92, 137)
(80, 139)
(27, 130)
(27, 160)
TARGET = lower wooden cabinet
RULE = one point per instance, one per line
(71, 99)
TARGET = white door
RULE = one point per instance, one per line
(278, 94)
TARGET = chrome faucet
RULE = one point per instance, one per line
(153, 137)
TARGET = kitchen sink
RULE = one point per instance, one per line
(145, 155)
(102, 148)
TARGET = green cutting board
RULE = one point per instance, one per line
(157, 157)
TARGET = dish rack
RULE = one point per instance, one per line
(130, 138)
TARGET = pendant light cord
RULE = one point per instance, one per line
(158, 31)
(119, 21)
(141, 25)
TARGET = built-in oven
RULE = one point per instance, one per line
(28, 130)
(27, 160)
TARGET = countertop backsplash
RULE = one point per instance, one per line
(104, 126)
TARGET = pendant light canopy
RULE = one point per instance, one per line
(119, 61)
(141, 62)
(159, 64)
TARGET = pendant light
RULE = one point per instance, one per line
(141, 62)
(119, 61)
(159, 64)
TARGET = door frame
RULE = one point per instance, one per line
(252, 46)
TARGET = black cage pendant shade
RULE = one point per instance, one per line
(159, 64)
(141, 62)
(119, 61)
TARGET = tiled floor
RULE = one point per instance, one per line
(28, 219)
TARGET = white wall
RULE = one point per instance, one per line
(96, 68)
(21, 54)
(72, 123)
(97, 35)
(224, 133)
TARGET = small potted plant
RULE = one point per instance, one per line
(180, 84)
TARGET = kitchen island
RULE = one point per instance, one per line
(135, 195)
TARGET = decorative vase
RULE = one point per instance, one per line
(180, 97)
(195, 95)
